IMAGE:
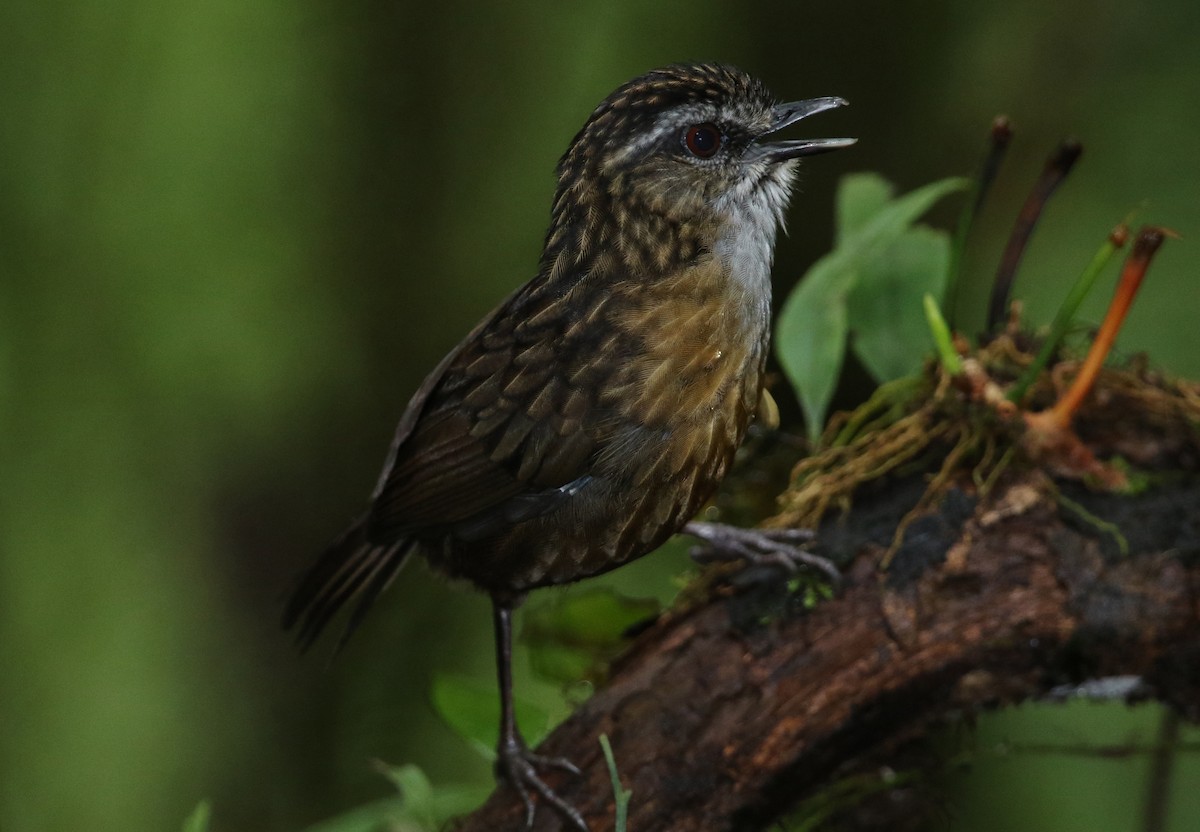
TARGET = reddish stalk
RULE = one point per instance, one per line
(1057, 167)
(998, 141)
(1147, 243)
(999, 138)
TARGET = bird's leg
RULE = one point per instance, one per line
(780, 548)
(515, 763)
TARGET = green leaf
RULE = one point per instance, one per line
(890, 222)
(815, 320)
(888, 329)
(453, 801)
(860, 197)
(378, 815)
(1066, 313)
(472, 710)
(943, 339)
(564, 665)
(621, 794)
(810, 338)
(585, 619)
(418, 808)
(572, 636)
(414, 788)
(197, 821)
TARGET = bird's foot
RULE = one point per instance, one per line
(777, 548)
(517, 766)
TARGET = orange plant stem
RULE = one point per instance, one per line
(1147, 243)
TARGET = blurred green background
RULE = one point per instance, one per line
(235, 236)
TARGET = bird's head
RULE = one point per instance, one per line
(691, 145)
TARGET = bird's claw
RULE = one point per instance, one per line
(778, 548)
(517, 766)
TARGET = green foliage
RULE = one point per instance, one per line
(237, 236)
(419, 807)
(942, 338)
(1065, 316)
(621, 794)
(809, 590)
(870, 287)
(888, 328)
(197, 821)
(388, 814)
(1015, 751)
(472, 710)
(415, 790)
(572, 636)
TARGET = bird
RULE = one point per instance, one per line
(592, 413)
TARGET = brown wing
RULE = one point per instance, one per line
(495, 434)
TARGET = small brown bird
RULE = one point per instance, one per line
(590, 415)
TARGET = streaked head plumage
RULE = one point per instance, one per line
(684, 141)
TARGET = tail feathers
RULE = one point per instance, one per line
(352, 567)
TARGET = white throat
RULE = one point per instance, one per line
(753, 215)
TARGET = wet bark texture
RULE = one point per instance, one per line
(726, 714)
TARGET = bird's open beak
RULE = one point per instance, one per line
(788, 114)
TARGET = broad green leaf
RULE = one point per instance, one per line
(812, 328)
(810, 337)
(888, 332)
(472, 709)
(860, 197)
(890, 221)
(197, 821)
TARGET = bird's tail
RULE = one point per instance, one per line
(352, 568)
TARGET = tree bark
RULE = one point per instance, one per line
(723, 715)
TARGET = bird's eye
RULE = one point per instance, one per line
(702, 140)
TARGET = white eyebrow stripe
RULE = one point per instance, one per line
(668, 122)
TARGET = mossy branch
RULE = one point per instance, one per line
(729, 712)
